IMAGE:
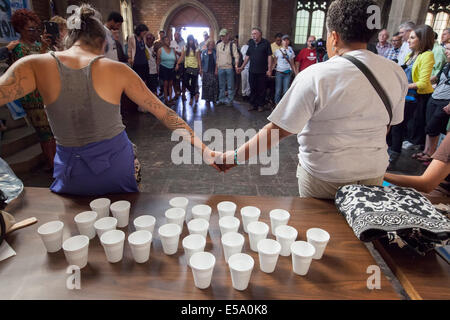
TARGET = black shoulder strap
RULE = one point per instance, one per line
(2, 228)
(378, 88)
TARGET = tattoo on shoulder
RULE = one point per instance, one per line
(12, 86)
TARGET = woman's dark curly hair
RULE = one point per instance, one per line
(21, 17)
(349, 19)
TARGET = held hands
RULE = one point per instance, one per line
(222, 162)
(447, 109)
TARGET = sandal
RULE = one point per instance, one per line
(418, 155)
(425, 158)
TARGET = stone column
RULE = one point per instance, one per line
(254, 13)
(407, 10)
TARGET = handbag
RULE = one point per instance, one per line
(192, 71)
(402, 215)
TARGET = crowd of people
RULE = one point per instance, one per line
(342, 127)
(425, 61)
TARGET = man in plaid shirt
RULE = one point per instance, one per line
(392, 53)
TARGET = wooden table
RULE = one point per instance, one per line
(425, 277)
(35, 274)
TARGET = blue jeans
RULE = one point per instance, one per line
(226, 81)
(282, 82)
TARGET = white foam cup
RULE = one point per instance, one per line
(51, 234)
(76, 250)
(286, 235)
(105, 224)
(176, 216)
(113, 243)
(140, 243)
(101, 206)
(249, 214)
(170, 236)
(257, 231)
(319, 239)
(85, 223)
(121, 211)
(198, 226)
(145, 222)
(278, 217)
(229, 224)
(241, 266)
(202, 265)
(226, 208)
(302, 253)
(268, 252)
(192, 244)
(201, 211)
(232, 243)
(180, 202)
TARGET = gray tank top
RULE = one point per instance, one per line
(79, 116)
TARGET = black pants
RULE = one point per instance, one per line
(258, 87)
(143, 71)
(399, 132)
(437, 118)
(191, 83)
(419, 120)
(152, 83)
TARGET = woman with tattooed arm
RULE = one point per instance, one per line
(94, 155)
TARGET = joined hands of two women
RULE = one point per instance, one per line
(221, 161)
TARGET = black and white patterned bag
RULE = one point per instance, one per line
(402, 215)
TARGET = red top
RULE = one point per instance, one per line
(306, 58)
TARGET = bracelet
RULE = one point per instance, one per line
(235, 157)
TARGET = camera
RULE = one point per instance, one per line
(320, 45)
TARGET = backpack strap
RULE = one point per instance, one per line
(376, 85)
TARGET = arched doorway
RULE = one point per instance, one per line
(190, 13)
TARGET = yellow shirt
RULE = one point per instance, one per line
(274, 48)
(191, 59)
(421, 72)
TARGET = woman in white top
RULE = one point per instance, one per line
(284, 60)
(340, 120)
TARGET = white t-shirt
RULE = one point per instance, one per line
(178, 47)
(244, 52)
(282, 64)
(111, 49)
(340, 119)
(152, 60)
(404, 51)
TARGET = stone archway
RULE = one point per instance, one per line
(205, 15)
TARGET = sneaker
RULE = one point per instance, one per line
(220, 103)
(229, 104)
(407, 145)
(260, 109)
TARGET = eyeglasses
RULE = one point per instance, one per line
(32, 30)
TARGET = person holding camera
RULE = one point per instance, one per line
(338, 116)
(307, 56)
(28, 24)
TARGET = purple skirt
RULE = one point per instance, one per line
(95, 169)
